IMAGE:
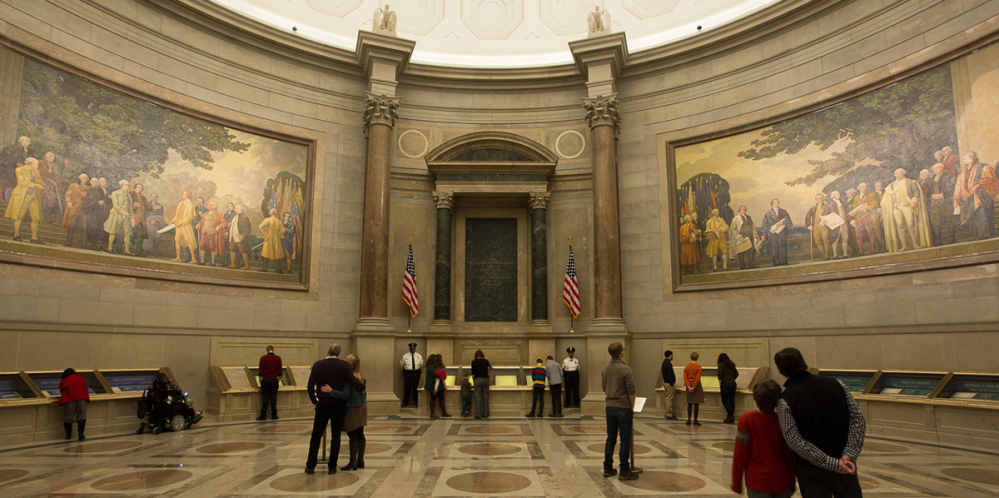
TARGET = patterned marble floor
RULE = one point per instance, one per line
(423, 458)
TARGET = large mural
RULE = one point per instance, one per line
(885, 181)
(99, 177)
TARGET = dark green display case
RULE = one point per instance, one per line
(971, 386)
(858, 381)
(905, 383)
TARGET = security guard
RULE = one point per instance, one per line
(412, 363)
(570, 368)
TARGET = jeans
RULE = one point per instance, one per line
(814, 482)
(728, 397)
(618, 420)
(331, 413)
(268, 395)
(481, 394)
(538, 402)
(556, 390)
(466, 407)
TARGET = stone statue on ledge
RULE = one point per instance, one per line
(599, 22)
(384, 21)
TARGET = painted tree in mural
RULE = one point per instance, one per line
(109, 134)
(899, 126)
(705, 192)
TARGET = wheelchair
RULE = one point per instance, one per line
(165, 407)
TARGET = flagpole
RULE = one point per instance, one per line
(572, 318)
(409, 315)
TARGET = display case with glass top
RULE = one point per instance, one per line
(907, 384)
(131, 380)
(283, 381)
(971, 386)
(508, 377)
(857, 381)
(16, 388)
(48, 383)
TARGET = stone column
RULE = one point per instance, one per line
(603, 117)
(539, 258)
(442, 274)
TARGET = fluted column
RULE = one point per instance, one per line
(442, 274)
(379, 118)
(539, 258)
(603, 117)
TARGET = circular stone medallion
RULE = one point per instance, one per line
(868, 483)
(413, 143)
(227, 448)
(973, 474)
(491, 429)
(884, 447)
(321, 481)
(488, 482)
(12, 474)
(142, 479)
(489, 449)
(665, 481)
(640, 449)
(570, 144)
(387, 429)
(102, 446)
(285, 428)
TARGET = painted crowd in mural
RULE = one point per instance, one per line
(94, 170)
(879, 174)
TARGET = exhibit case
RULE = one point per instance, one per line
(234, 392)
(858, 381)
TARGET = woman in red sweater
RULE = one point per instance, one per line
(74, 398)
(760, 451)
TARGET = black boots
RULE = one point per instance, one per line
(80, 425)
(352, 463)
(69, 429)
(360, 454)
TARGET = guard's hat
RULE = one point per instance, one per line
(570, 349)
(412, 345)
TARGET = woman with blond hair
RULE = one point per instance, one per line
(356, 417)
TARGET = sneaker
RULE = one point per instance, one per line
(610, 472)
(627, 476)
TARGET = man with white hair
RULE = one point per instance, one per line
(974, 197)
(716, 231)
(326, 387)
(841, 240)
(820, 231)
(272, 249)
(13, 157)
(904, 215)
(26, 199)
(239, 229)
(120, 218)
(73, 218)
(941, 193)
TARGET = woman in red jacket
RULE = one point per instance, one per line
(74, 398)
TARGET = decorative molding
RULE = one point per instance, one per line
(602, 111)
(400, 142)
(380, 109)
(570, 134)
(492, 140)
(444, 200)
(539, 200)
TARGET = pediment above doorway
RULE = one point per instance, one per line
(501, 156)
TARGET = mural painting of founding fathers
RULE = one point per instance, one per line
(898, 179)
(97, 180)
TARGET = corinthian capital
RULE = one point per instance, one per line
(602, 111)
(444, 200)
(380, 109)
(539, 200)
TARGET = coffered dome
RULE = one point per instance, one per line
(496, 33)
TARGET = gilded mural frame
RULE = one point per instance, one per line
(670, 222)
(304, 282)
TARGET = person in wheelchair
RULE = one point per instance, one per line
(164, 406)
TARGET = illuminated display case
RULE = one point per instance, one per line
(507, 377)
(283, 381)
(915, 384)
(14, 386)
(129, 380)
(48, 382)
(971, 386)
(858, 381)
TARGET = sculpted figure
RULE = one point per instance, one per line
(383, 21)
(599, 22)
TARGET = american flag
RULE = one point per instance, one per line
(570, 291)
(409, 293)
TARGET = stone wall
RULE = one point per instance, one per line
(247, 73)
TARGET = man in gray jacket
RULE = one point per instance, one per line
(619, 386)
(554, 372)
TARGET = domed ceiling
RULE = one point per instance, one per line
(496, 33)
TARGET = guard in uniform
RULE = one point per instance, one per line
(411, 363)
(570, 368)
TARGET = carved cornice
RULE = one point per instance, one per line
(602, 111)
(444, 200)
(380, 109)
(539, 200)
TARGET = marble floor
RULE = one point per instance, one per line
(450, 458)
